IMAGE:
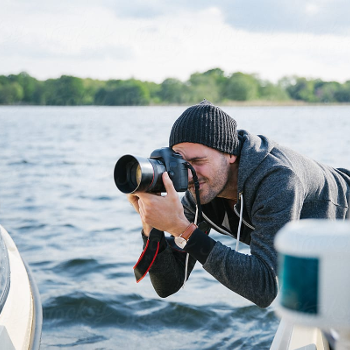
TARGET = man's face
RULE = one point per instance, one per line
(212, 168)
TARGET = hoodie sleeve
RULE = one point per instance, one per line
(254, 276)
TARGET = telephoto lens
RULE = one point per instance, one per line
(133, 174)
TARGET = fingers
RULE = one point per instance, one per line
(164, 213)
(161, 212)
(138, 205)
(141, 208)
(134, 201)
(145, 210)
(168, 184)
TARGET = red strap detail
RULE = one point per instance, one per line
(155, 255)
(142, 254)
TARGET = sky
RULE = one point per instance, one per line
(157, 39)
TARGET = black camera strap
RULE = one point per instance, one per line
(148, 255)
(196, 188)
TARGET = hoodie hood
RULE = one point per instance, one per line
(254, 149)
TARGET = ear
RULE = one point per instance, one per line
(232, 158)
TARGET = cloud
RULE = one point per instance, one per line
(113, 39)
(156, 8)
(301, 16)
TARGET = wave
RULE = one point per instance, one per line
(91, 310)
(32, 227)
(129, 311)
(216, 326)
(21, 162)
(93, 339)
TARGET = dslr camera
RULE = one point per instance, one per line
(133, 173)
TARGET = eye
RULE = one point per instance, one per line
(198, 161)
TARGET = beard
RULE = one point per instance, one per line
(213, 187)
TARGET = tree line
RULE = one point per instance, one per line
(214, 85)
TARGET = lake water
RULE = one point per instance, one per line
(81, 238)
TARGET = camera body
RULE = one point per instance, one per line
(136, 174)
(175, 165)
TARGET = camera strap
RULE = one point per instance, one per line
(148, 255)
(196, 187)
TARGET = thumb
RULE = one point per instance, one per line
(168, 184)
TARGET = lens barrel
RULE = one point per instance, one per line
(133, 174)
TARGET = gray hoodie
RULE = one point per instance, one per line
(276, 185)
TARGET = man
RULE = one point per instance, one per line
(245, 180)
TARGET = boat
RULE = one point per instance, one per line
(20, 304)
(291, 336)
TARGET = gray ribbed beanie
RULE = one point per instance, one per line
(208, 125)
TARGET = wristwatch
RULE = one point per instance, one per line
(181, 240)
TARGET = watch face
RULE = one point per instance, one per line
(180, 242)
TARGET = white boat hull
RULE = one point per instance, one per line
(21, 314)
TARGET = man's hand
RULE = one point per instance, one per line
(134, 200)
(164, 213)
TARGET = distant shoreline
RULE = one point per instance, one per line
(225, 104)
(260, 103)
(236, 89)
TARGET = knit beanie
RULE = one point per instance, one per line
(208, 125)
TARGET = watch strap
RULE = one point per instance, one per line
(188, 232)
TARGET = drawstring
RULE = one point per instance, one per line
(188, 255)
(240, 223)
(198, 215)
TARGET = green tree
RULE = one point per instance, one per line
(173, 91)
(10, 92)
(241, 87)
(154, 90)
(38, 97)
(272, 92)
(28, 84)
(326, 91)
(123, 93)
(212, 84)
(100, 96)
(343, 93)
(216, 73)
(90, 87)
(207, 85)
(302, 89)
(65, 91)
